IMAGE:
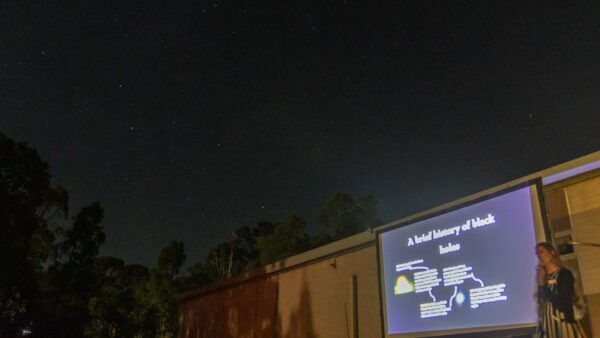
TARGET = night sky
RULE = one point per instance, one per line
(190, 120)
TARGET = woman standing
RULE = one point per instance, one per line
(556, 292)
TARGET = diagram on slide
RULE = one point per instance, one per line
(419, 278)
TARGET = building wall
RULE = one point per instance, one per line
(584, 210)
(313, 300)
(316, 301)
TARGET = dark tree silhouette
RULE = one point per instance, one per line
(346, 216)
(288, 238)
(24, 179)
(171, 258)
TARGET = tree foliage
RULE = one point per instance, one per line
(24, 179)
(82, 242)
(347, 216)
(74, 277)
(171, 258)
(288, 238)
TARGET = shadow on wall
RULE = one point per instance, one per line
(301, 319)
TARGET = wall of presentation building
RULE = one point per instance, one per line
(333, 291)
(328, 292)
(574, 214)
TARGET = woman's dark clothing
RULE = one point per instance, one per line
(556, 307)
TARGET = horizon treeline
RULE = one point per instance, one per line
(55, 283)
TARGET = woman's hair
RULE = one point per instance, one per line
(555, 257)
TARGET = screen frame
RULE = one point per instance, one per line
(541, 231)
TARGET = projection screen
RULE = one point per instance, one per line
(468, 269)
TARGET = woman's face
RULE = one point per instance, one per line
(544, 255)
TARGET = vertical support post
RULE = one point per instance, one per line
(354, 288)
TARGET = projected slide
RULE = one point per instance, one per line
(471, 267)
